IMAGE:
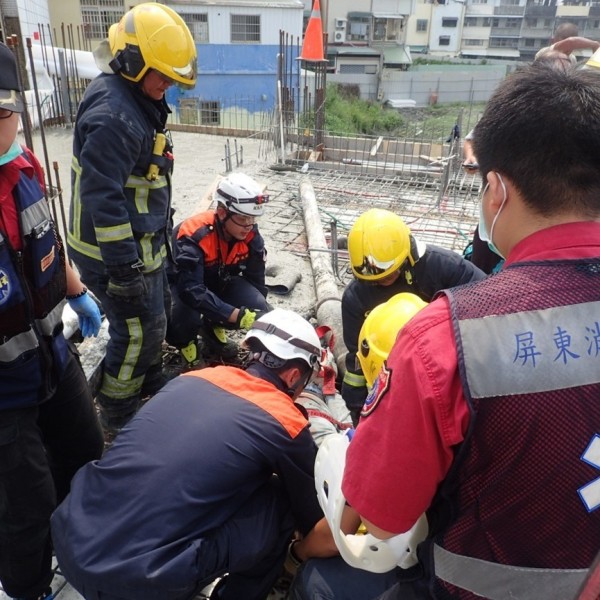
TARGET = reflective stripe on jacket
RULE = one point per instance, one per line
(519, 514)
(117, 216)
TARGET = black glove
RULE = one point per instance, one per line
(354, 397)
(126, 282)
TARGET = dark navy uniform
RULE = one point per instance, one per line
(211, 476)
(213, 276)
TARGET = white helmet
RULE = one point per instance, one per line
(286, 335)
(241, 195)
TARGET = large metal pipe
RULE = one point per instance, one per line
(329, 300)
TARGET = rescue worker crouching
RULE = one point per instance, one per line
(219, 278)
(387, 259)
(119, 225)
(232, 463)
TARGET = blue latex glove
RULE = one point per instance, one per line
(89, 315)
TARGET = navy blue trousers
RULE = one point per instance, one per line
(41, 448)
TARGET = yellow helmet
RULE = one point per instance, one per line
(153, 36)
(378, 244)
(380, 330)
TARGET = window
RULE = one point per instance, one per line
(98, 15)
(486, 21)
(480, 1)
(529, 43)
(470, 22)
(444, 40)
(504, 42)
(198, 26)
(474, 42)
(358, 69)
(210, 113)
(245, 28)
(358, 29)
(449, 22)
(387, 30)
(422, 24)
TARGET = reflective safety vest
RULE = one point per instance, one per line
(33, 350)
(519, 514)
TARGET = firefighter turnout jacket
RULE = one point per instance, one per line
(33, 351)
(117, 215)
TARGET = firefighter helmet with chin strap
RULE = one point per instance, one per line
(379, 243)
(240, 194)
(152, 36)
(380, 329)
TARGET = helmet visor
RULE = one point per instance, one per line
(370, 266)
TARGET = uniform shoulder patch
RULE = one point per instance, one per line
(381, 386)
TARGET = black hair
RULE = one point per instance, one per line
(541, 128)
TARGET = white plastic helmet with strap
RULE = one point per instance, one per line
(241, 195)
(286, 335)
(361, 551)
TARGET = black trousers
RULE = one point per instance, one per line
(41, 448)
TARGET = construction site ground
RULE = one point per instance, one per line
(440, 207)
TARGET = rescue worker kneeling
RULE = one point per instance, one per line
(387, 259)
(219, 279)
(212, 476)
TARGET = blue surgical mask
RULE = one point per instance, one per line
(482, 227)
(11, 154)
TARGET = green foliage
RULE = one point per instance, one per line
(344, 113)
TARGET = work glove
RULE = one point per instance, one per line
(88, 313)
(247, 316)
(126, 282)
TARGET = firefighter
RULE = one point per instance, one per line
(119, 226)
(386, 259)
(212, 476)
(489, 397)
(49, 427)
(220, 271)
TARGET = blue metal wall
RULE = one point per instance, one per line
(227, 72)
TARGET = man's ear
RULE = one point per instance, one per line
(497, 191)
(221, 212)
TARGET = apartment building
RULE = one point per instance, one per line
(473, 29)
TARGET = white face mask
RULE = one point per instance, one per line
(482, 227)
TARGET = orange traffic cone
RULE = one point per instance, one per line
(312, 48)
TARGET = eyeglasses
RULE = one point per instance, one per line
(5, 113)
(245, 222)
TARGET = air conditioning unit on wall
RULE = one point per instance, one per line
(340, 30)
